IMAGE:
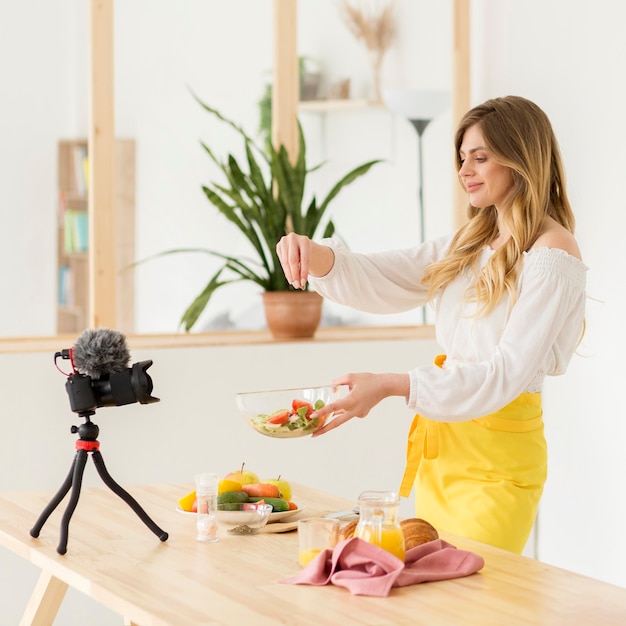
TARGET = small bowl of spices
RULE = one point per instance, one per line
(242, 518)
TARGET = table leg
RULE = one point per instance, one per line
(45, 601)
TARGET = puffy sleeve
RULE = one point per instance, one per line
(538, 338)
(380, 282)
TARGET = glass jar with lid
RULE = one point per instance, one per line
(379, 521)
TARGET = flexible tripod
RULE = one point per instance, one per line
(88, 442)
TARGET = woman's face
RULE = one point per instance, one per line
(486, 181)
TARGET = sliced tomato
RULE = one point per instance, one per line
(298, 404)
(280, 418)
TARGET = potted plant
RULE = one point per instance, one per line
(263, 195)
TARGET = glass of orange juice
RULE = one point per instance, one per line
(379, 523)
(316, 534)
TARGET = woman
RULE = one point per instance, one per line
(508, 291)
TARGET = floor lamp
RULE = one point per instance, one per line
(419, 108)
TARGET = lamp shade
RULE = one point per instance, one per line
(415, 104)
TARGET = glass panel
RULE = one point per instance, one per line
(43, 60)
(223, 51)
(228, 68)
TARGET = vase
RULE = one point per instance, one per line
(292, 314)
(376, 61)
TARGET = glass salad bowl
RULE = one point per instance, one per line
(242, 518)
(286, 413)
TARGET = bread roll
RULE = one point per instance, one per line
(416, 531)
(347, 530)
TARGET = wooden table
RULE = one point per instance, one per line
(113, 558)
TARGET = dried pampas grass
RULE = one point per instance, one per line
(372, 22)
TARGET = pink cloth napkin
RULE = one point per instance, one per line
(367, 570)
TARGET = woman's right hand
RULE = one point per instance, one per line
(300, 256)
(366, 390)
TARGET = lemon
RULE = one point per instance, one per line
(225, 485)
(186, 502)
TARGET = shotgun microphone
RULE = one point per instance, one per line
(98, 352)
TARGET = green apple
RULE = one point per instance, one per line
(283, 486)
(243, 476)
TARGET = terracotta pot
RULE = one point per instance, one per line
(292, 314)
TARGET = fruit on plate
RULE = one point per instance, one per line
(262, 490)
(232, 500)
(226, 484)
(189, 502)
(243, 476)
(278, 504)
(233, 496)
(283, 486)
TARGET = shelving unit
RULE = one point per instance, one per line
(73, 241)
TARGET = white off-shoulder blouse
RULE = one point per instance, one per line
(490, 360)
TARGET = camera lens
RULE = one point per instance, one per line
(142, 383)
(114, 389)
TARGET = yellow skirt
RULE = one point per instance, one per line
(481, 478)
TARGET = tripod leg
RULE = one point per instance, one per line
(77, 481)
(122, 493)
(56, 500)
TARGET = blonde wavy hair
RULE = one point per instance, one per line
(519, 136)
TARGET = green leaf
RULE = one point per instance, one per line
(194, 310)
(224, 119)
(346, 180)
(329, 231)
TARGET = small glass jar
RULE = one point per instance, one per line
(379, 522)
(206, 495)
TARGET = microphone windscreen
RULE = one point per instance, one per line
(98, 352)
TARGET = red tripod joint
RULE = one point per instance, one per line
(90, 446)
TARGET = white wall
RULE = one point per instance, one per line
(195, 427)
(567, 56)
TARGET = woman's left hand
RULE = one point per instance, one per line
(365, 392)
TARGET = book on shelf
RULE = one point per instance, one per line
(81, 168)
(66, 287)
(81, 235)
(62, 202)
(86, 171)
(75, 231)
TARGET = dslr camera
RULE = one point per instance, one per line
(99, 374)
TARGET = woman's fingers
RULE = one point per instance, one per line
(301, 270)
(366, 390)
(294, 252)
(340, 411)
(335, 422)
